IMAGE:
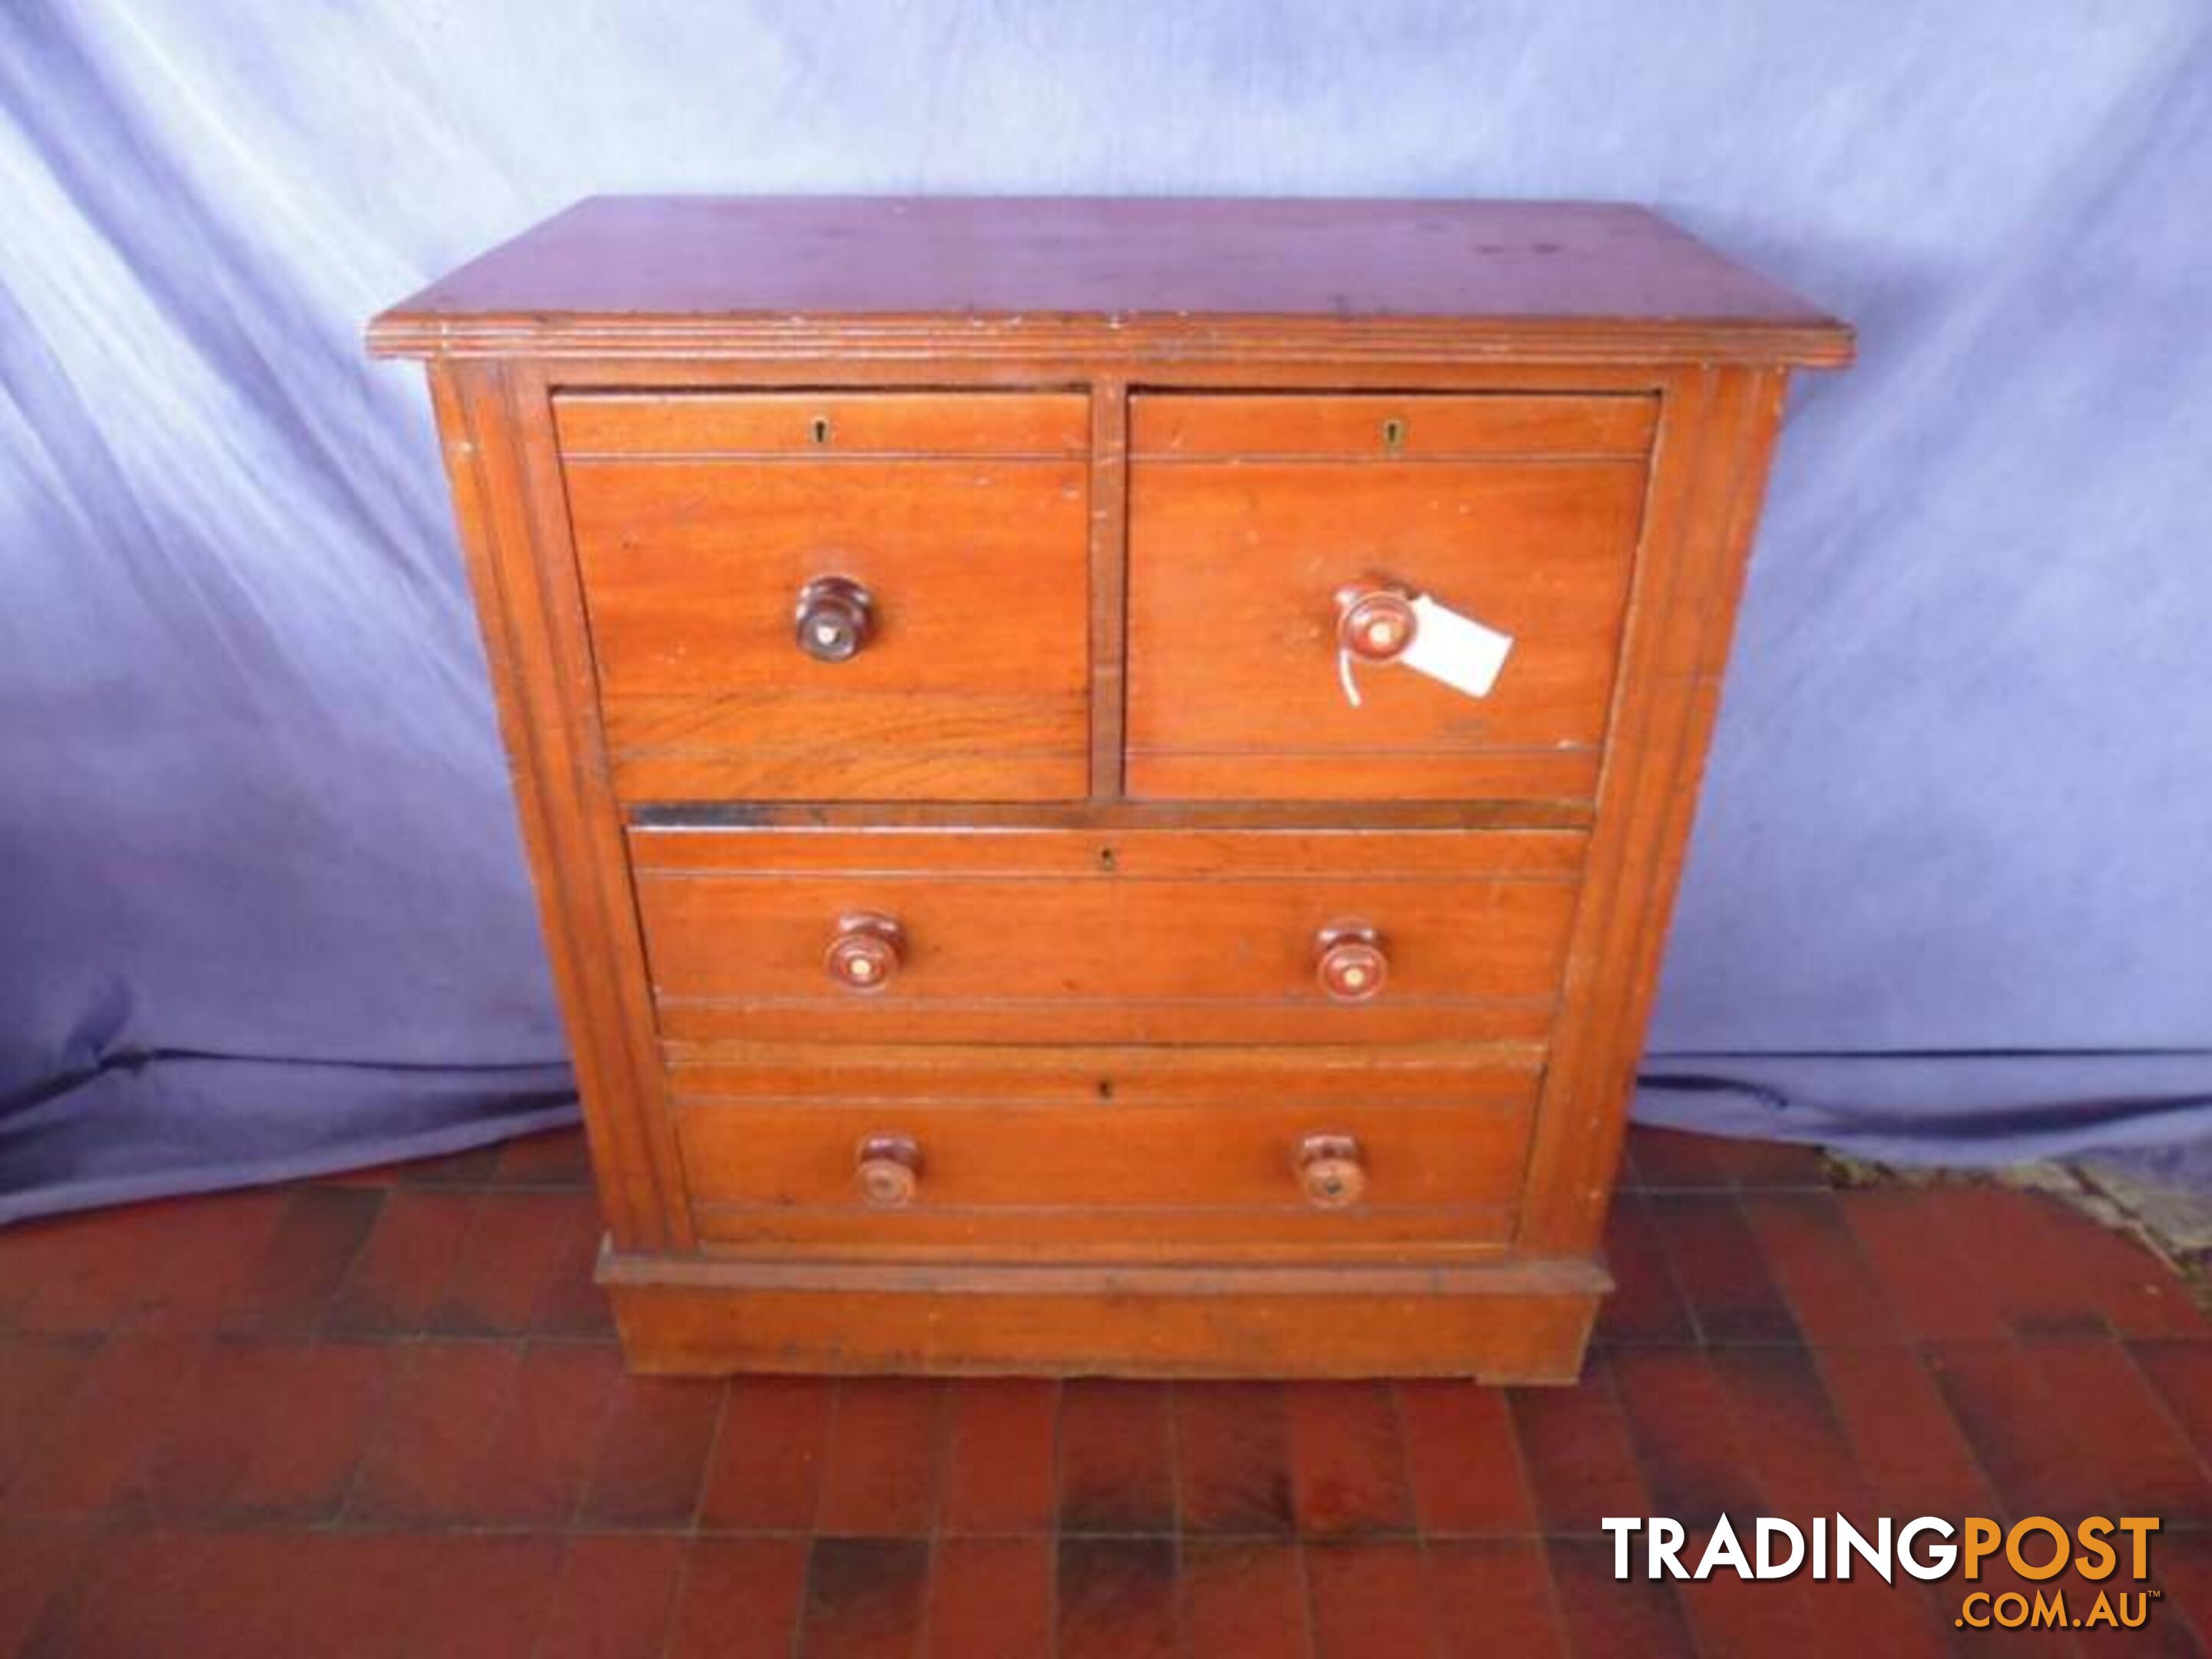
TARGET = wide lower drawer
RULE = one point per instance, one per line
(1105, 1150)
(1052, 935)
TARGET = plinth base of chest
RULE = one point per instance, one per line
(1513, 1322)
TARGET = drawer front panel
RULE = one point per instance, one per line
(1247, 517)
(699, 523)
(1199, 1151)
(1069, 936)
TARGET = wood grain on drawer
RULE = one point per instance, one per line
(1380, 426)
(1521, 513)
(1020, 935)
(822, 425)
(1190, 1149)
(698, 524)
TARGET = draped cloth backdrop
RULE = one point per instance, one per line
(263, 909)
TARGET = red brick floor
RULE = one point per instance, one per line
(384, 1415)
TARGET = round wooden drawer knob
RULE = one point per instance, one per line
(1349, 962)
(887, 1170)
(1333, 1171)
(1374, 623)
(867, 951)
(835, 617)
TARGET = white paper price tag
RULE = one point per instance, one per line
(1456, 650)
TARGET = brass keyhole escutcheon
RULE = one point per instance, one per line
(819, 428)
(1393, 432)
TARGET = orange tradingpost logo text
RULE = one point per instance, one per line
(2036, 1549)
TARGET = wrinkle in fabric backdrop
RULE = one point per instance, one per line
(262, 904)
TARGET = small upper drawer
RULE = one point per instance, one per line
(1255, 520)
(878, 596)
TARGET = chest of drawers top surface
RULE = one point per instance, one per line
(661, 273)
(1014, 905)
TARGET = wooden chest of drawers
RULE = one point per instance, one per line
(1105, 778)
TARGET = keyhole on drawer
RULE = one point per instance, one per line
(1106, 857)
(819, 428)
(1105, 1088)
(1393, 432)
